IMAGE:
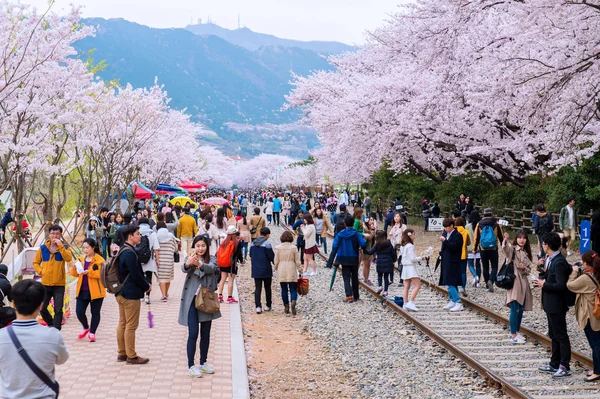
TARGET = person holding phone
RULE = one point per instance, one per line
(201, 270)
(50, 261)
(90, 291)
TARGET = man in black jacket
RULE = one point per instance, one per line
(134, 287)
(7, 314)
(555, 302)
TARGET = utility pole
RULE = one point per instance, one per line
(239, 26)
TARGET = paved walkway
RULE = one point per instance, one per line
(93, 372)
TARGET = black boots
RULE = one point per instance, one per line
(293, 308)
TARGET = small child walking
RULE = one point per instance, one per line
(386, 259)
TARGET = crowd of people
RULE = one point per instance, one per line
(211, 242)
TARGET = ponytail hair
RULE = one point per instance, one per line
(592, 259)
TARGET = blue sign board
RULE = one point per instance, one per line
(584, 236)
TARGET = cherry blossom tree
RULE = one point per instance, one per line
(506, 88)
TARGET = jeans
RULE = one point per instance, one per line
(541, 241)
(195, 328)
(332, 217)
(129, 319)
(58, 294)
(148, 276)
(276, 218)
(463, 272)
(244, 245)
(380, 215)
(321, 238)
(561, 345)
(399, 270)
(368, 210)
(284, 292)
(269, 218)
(293, 216)
(386, 280)
(350, 275)
(83, 300)
(488, 256)
(516, 315)
(258, 284)
(453, 294)
(301, 249)
(475, 268)
(105, 246)
(593, 338)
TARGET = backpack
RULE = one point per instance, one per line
(143, 250)
(545, 224)
(488, 237)
(339, 223)
(225, 254)
(506, 276)
(109, 274)
(596, 311)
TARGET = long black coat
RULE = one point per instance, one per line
(451, 274)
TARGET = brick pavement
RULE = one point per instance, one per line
(93, 372)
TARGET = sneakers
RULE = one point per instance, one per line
(517, 340)
(519, 335)
(164, 299)
(490, 286)
(258, 310)
(384, 293)
(369, 283)
(92, 337)
(195, 372)
(379, 290)
(83, 333)
(400, 285)
(457, 308)
(474, 282)
(410, 305)
(231, 300)
(562, 372)
(349, 299)
(206, 368)
(137, 360)
(547, 369)
(220, 298)
(449, 306)
(147, 300)
(267, 309)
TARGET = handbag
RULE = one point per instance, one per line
(36, 370)
(596, 311)
(303, 286)
(207, 300)
(176, 257)
(506, 276)
(253, 229)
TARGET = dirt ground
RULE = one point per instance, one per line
(284, 361)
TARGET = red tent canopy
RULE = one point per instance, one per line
(140, 191)
(189, 184)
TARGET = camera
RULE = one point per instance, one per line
(580, 266)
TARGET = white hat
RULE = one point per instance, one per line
(231, 230)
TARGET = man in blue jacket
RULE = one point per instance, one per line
(261, 256)
(276, 209)
(134, 287)
(345, 250)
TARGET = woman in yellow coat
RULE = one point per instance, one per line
(90, 290)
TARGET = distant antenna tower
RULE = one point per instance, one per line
(209, 21)
(239, 21)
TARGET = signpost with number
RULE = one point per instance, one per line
(435, 224)
(584, 236)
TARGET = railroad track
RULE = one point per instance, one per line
(479, 337)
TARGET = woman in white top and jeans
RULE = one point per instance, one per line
(409, 268)
(209, 229)
(269, 210)
(395, 237)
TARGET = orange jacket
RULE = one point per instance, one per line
(97, 290)
(51, 265)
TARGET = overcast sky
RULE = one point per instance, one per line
(340, 20)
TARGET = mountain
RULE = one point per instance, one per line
(230, 89)
(251, 40)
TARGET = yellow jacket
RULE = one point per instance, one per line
(466, 241)
(187, 227)
(97, 290)
(51, 265)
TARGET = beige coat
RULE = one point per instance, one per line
(259, 222)
(287, 262)
(521, 290)
(585, 289)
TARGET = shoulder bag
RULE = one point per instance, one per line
(596, 311)
(207, 300)
(36, 370)
(506, 276)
